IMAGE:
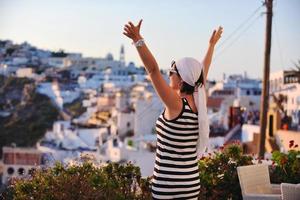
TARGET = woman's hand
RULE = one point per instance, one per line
(208, 56)
(216, 35)
(133, 32)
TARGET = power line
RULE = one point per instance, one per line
(236, 38)
(240, 26)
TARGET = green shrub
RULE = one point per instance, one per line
(286, 166)
(218, 173)
(84, 181)
(130, 143)
(218, 178)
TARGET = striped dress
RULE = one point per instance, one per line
(176, 172)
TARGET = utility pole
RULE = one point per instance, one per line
(265, 90)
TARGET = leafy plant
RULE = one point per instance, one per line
(83, 181)
(286, 166)
(218, 173)
(130, 143)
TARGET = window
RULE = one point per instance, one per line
(115, 142)
(21, 171)
(10, 170)
(31, 171)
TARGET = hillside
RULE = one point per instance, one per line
(30, 113)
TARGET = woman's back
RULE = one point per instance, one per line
(176, 173)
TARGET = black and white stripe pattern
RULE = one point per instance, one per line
(176, 173)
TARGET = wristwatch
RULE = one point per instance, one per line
(139, 43)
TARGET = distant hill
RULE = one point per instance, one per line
(28, 113)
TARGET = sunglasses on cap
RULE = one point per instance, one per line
(173, 69)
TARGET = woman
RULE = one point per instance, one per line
(182, 128)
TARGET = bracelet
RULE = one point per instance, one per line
(139, 43)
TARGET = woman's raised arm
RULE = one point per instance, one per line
(169, 97)
(216, 35)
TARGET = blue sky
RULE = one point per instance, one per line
(171, 28)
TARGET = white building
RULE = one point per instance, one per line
(236, 91)
(19, 162)
(3, 68)
(19, 60)
(125, 122)
(147, 110)
(287, 83)
(24, 72)
(65, 137)
(59, 62)
(58, 96)
(236, 85)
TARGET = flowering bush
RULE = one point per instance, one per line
(218, 178)
(286, 166)
(85, 181)
(218, 173)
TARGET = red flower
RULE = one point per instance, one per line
(296, 146)
(283, 161)
(273, 163)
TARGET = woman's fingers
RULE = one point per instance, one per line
(214, 33)
(220, 30)
(131, 24)
(132, 31)
(126, 34)
(127, 29)
(212, 36)
(127, 26)
(140, 23)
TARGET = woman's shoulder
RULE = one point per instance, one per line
(190, 105)
(173, 114)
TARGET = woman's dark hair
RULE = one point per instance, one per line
(188, 89)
